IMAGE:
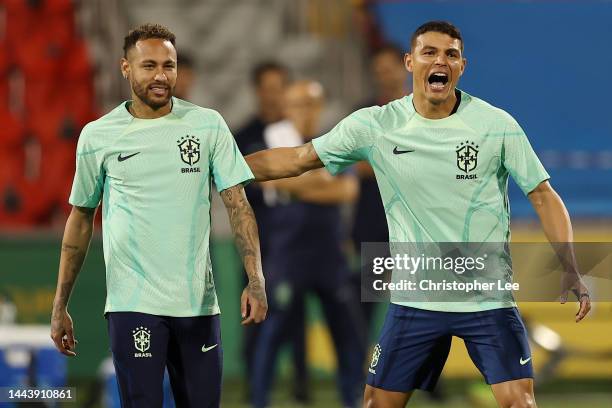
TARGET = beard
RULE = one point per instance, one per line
(141, 91)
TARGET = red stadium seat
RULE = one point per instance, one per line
(57, 171)
(43, 57)
(5, 65)
(23, 18)
(4, 92)
(38, 7)
(12, 129)
(31, 198)
(39, 49)
(11, 163)
(79, 68)
(58, 124)
(22, 206)
(5, 56)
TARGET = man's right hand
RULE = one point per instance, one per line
(62, 332)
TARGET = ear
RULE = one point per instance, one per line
(125, 68)
(408, 62)
(463, 65)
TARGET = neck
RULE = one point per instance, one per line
(434, 111)
(140, 110)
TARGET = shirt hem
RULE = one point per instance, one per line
(458, 307)
(210, 311)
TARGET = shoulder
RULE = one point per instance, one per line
(486, 111)
(486, 117)
(366, 117)
(192, 112)
(381, 119)
(105, 129)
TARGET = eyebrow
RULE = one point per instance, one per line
(150, 61)
(431, 47)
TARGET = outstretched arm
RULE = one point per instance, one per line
(319, 187)
(283, 162)
(557, 226)
(253, 302)
(77, 236)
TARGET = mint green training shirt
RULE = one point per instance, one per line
(154, 178)
(443, 180)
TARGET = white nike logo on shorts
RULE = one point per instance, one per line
(205, 349)
(523, 362)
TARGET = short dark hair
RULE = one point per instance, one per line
(389, 48)
(260, 69)
(443, 27)
(145, 32)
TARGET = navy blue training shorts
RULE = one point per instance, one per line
(143, 345)
(414, 344)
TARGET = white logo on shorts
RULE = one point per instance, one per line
(523, 362)
(142, 341)
(375, 357)
(205, 349)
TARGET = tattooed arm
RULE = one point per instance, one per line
(254, 305)
(75, 244)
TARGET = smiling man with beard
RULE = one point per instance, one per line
(442, 159)
(151, 161)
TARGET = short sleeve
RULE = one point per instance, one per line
(348, 142)
(88, 183)
(519, 158)
(227, 165)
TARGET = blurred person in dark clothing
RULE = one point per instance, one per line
(390, 82)
(269, 80)
(370, 225)
(305, 253)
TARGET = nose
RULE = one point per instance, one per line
(160, 75)
(441, 59)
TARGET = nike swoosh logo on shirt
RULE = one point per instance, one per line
(205, 349)
(523, 362)
(397, 151)
(122, 158)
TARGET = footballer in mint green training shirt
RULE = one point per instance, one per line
(442, 180)
(154, 179)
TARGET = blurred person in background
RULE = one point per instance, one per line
(305, 253)
(152, 160)
(186, 76)
(269, 79)
(370, 225)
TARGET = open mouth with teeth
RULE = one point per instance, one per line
(437, 81)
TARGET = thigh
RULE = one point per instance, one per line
(195, 359)
(497, 343)
(139, 344)
(411, 351)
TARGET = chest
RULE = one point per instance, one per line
(448, 155)
(159, 158)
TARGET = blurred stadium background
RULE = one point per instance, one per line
(546, 62)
